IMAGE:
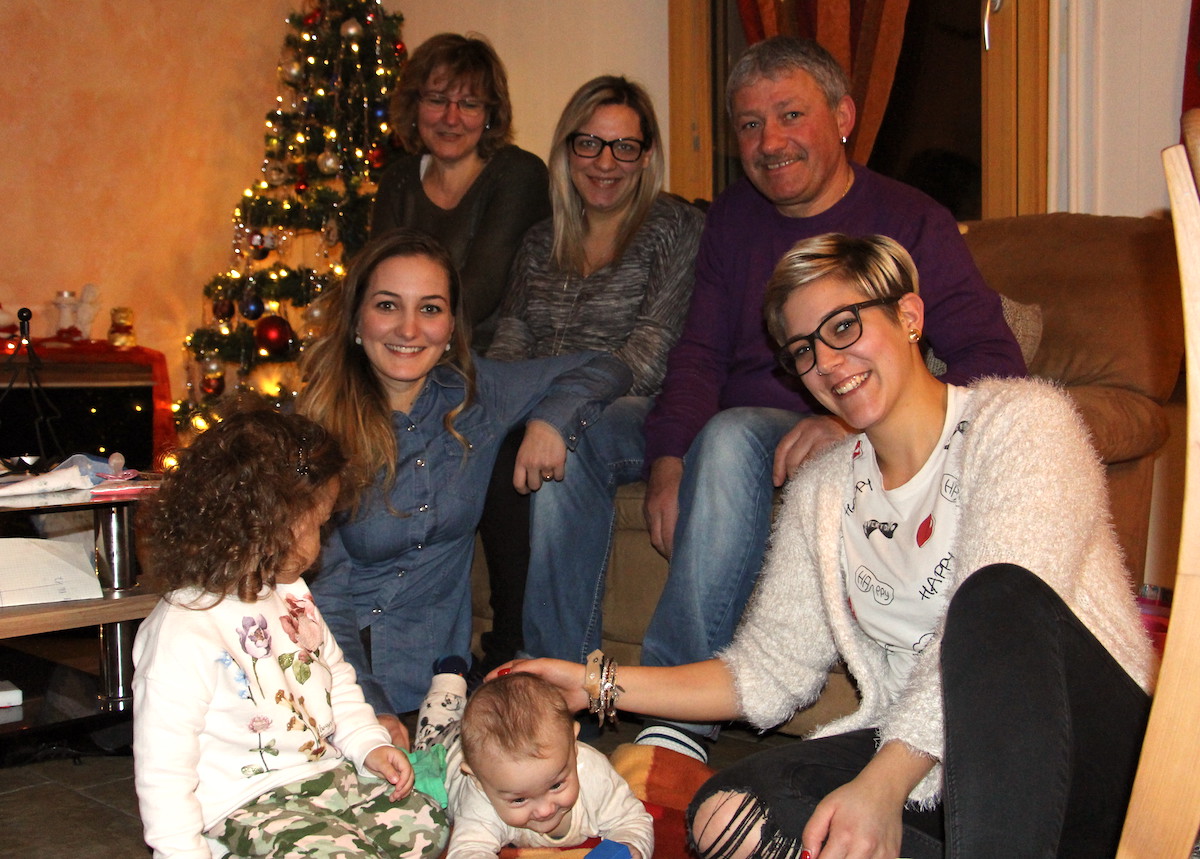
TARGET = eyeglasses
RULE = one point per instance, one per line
(437, 102)
(590, 146)
(838, 330)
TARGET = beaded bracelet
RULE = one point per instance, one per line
(600, 684)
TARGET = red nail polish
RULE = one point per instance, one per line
(504, 671)
(805, 854)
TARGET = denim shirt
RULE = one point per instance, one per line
(404, 573)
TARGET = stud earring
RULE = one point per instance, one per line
(844, 141)
(357, 340)
(913, 335)
(447, 347)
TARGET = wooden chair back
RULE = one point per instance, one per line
(1163, 818)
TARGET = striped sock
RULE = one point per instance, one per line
(675, 739)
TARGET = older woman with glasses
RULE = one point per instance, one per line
(463, 181)
(957, 553)
(610, 271)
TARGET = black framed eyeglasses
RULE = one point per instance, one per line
(438, 102)
(838, 330)
(590, 146)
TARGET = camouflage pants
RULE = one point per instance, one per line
(334, 815)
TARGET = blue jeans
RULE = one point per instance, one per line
(571, 527)
(725, 503)
(724, 520)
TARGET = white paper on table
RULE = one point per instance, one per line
(51, 481)
(33, 571)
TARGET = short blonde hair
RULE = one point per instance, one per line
(877, 265)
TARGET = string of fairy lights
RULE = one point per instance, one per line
(326, 142)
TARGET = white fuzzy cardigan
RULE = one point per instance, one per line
(1033, 494)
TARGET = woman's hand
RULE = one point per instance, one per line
(862, 818)
(809, 436)
(855, 821)
(541, 457)
(567, 676)
(395, 729)
(388, 762)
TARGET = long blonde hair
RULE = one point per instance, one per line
(341, 389)
(567, 250)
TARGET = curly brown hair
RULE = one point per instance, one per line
(222, 519)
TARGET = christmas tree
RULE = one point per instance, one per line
(327, 140)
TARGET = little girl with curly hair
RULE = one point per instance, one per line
(251, 735)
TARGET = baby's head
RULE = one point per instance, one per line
(518, 742)
(245, 506)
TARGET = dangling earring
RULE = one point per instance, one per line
(913, 335)
(357, 340)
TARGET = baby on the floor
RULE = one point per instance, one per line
(516, 774)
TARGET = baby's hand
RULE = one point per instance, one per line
(390, 763)
(612, 850)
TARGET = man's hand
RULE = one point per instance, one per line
(810, 435)
(395, 729)
(541, 457)
(661, 505)
(388, 762)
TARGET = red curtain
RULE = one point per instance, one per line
(1191, 63)
(863, 35)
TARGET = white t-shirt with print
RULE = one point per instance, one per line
(897, 544)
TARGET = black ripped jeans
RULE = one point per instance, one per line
(1043, 732)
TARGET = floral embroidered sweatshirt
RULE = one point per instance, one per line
(235, 699)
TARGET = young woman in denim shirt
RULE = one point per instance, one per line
(421, 418)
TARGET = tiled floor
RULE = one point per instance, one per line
(86, 808)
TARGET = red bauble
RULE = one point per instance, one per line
(375, 157)
(213, 387)
(222, 309)
(314, 18)
(274, 335)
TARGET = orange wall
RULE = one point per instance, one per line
(128, 128)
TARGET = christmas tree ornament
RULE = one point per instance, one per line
(291, 71)
(212, 386)
(251, 306)
(222, 309)
(352, 29)
(273, 335)
(275, 171)
(329, 162)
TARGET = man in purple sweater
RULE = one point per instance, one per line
(729, 426)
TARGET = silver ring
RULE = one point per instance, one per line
(549, 475)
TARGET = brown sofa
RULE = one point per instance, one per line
(1104, 292)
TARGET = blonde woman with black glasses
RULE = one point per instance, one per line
(610, 271)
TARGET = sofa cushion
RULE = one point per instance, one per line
(1025, 320)
(1123, 425)
(1109, 292)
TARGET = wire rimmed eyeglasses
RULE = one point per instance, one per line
(590, 146)
(839, 330)
(437, 101)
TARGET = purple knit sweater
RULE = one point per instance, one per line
(725, 357)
